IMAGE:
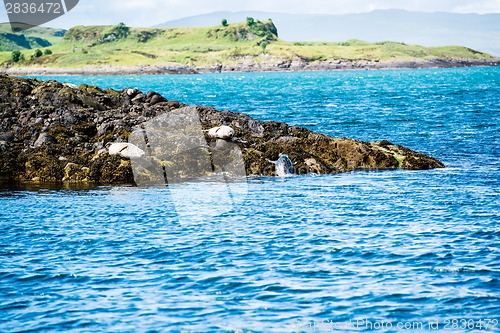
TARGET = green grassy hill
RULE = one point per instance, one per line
(205, 46)
(29, 39)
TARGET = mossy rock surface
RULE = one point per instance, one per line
(52, 132)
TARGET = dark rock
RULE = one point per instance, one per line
(44, 138)
(156, 99)
(71, 125)
(104, 128)
(3, 146)
(385, 143)
(173, 105)
(7, 137)
(140, 98)
(69, 119)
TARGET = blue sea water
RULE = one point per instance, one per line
(365, 251)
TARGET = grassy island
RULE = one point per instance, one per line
(250, 44)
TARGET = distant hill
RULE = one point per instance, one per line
(243, 46)
(479, 32)
(29, 39)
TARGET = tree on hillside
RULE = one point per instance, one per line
(250, 21)
(263, 44)
(121, 30)
(224, 23)
(38, 53)
(118, 31)
(17, 56)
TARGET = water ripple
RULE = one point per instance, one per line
(396, 246)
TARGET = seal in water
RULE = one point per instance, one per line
(284, 166)
(124, 149)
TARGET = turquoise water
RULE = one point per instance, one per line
(367, 251)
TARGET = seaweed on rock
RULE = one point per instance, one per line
(53, 132)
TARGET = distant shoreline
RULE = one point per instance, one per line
(248, 65)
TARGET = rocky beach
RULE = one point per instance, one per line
(264, 63)
(55, 132)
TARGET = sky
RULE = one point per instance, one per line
(146, 13)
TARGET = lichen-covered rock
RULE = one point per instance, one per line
(52, 132)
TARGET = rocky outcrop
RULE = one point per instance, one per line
(53, 132)
(262, 63)
(268, 63)
(169, 68)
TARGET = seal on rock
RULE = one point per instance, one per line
(124, 149)
(284, 166)
(221, 132)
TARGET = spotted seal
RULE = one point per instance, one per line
(284, 166)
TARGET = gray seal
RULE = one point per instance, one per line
(284, 166)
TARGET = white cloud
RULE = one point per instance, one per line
(481, 7)
(151, 12)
